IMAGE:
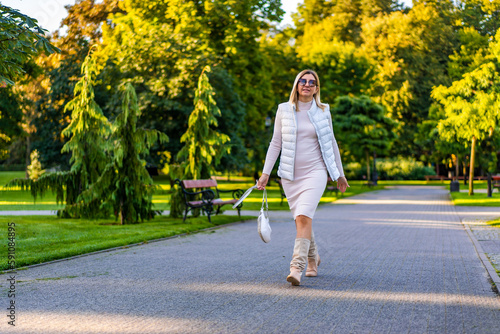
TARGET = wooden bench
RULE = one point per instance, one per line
(206, 199)
(282, 192)
(495, 183)
(435, 177)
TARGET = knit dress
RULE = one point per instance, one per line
(310, 174)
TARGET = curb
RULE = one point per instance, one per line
(482, 256)
(124, 247)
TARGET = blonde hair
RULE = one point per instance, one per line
(294, 95)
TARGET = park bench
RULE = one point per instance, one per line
(496, 183)
(206, 199)
(435, 177)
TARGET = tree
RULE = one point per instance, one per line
(204, 146)
(162, 47)
(35, 170)
(343, 68)
(411, 51)
(20, 39)
(361, 128)
(125, 186)
(88, 131)
(10, 119)
(339, 20)
(472, 105)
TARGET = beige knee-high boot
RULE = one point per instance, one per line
(313, 259)
(298, 264)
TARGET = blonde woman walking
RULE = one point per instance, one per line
(303, 133)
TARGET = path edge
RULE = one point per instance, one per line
(495, 278)
(3, 272)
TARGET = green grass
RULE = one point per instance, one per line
(494, 222)
(44, 238)
(478, 199)
(15, 200)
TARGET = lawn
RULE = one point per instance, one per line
(478, 199)
(44, 238)
(15, 200)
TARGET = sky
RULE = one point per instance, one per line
(49, 13)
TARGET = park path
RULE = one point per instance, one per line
(393, 261)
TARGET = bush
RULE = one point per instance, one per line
(391, 169)
(12, 168)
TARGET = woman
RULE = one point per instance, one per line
(303, 133)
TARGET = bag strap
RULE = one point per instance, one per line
(245, 195)
(264, 200)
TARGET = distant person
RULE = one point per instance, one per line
(303, 133)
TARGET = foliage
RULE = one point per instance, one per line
(125, 186)
(35, 168)
(10, 119)
(411, 51)
(399, 168)
(204, 146)
(88, 129)
(20, 39)
(344, 69)
(472, 104)
(361, 121)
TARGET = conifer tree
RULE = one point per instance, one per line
(204, 146)
(125, 185)
(35, 168)
(88, 130)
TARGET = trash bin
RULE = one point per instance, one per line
(454, 186)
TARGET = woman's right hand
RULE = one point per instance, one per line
(261, 184)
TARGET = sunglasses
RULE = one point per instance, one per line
(303, 82)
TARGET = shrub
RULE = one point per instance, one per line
(391, 169)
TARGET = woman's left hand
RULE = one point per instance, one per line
(342, 184)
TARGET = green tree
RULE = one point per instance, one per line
(35, 170)
(88, 131)
(125, 186)
(361, 128)
(344, 69)
(411, 51)
(20, 39)
(472, 105)
(204, 146)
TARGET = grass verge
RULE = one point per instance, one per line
(45, 238)
(478, 199)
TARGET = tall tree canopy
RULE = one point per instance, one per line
(472, 105)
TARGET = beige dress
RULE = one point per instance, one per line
(305, 191)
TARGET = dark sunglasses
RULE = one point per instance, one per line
(303, 82)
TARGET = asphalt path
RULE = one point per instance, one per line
(400, 260)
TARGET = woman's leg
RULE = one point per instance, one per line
(304, 226)
(300, 249)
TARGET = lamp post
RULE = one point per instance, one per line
(374, 175)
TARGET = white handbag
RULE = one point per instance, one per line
(263, 226)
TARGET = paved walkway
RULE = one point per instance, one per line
(396, 261)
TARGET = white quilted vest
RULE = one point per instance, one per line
(321, 121)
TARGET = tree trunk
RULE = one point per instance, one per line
(457, 168)
(367, 166)
(465, 171)
(28, 153)
(471, 168)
